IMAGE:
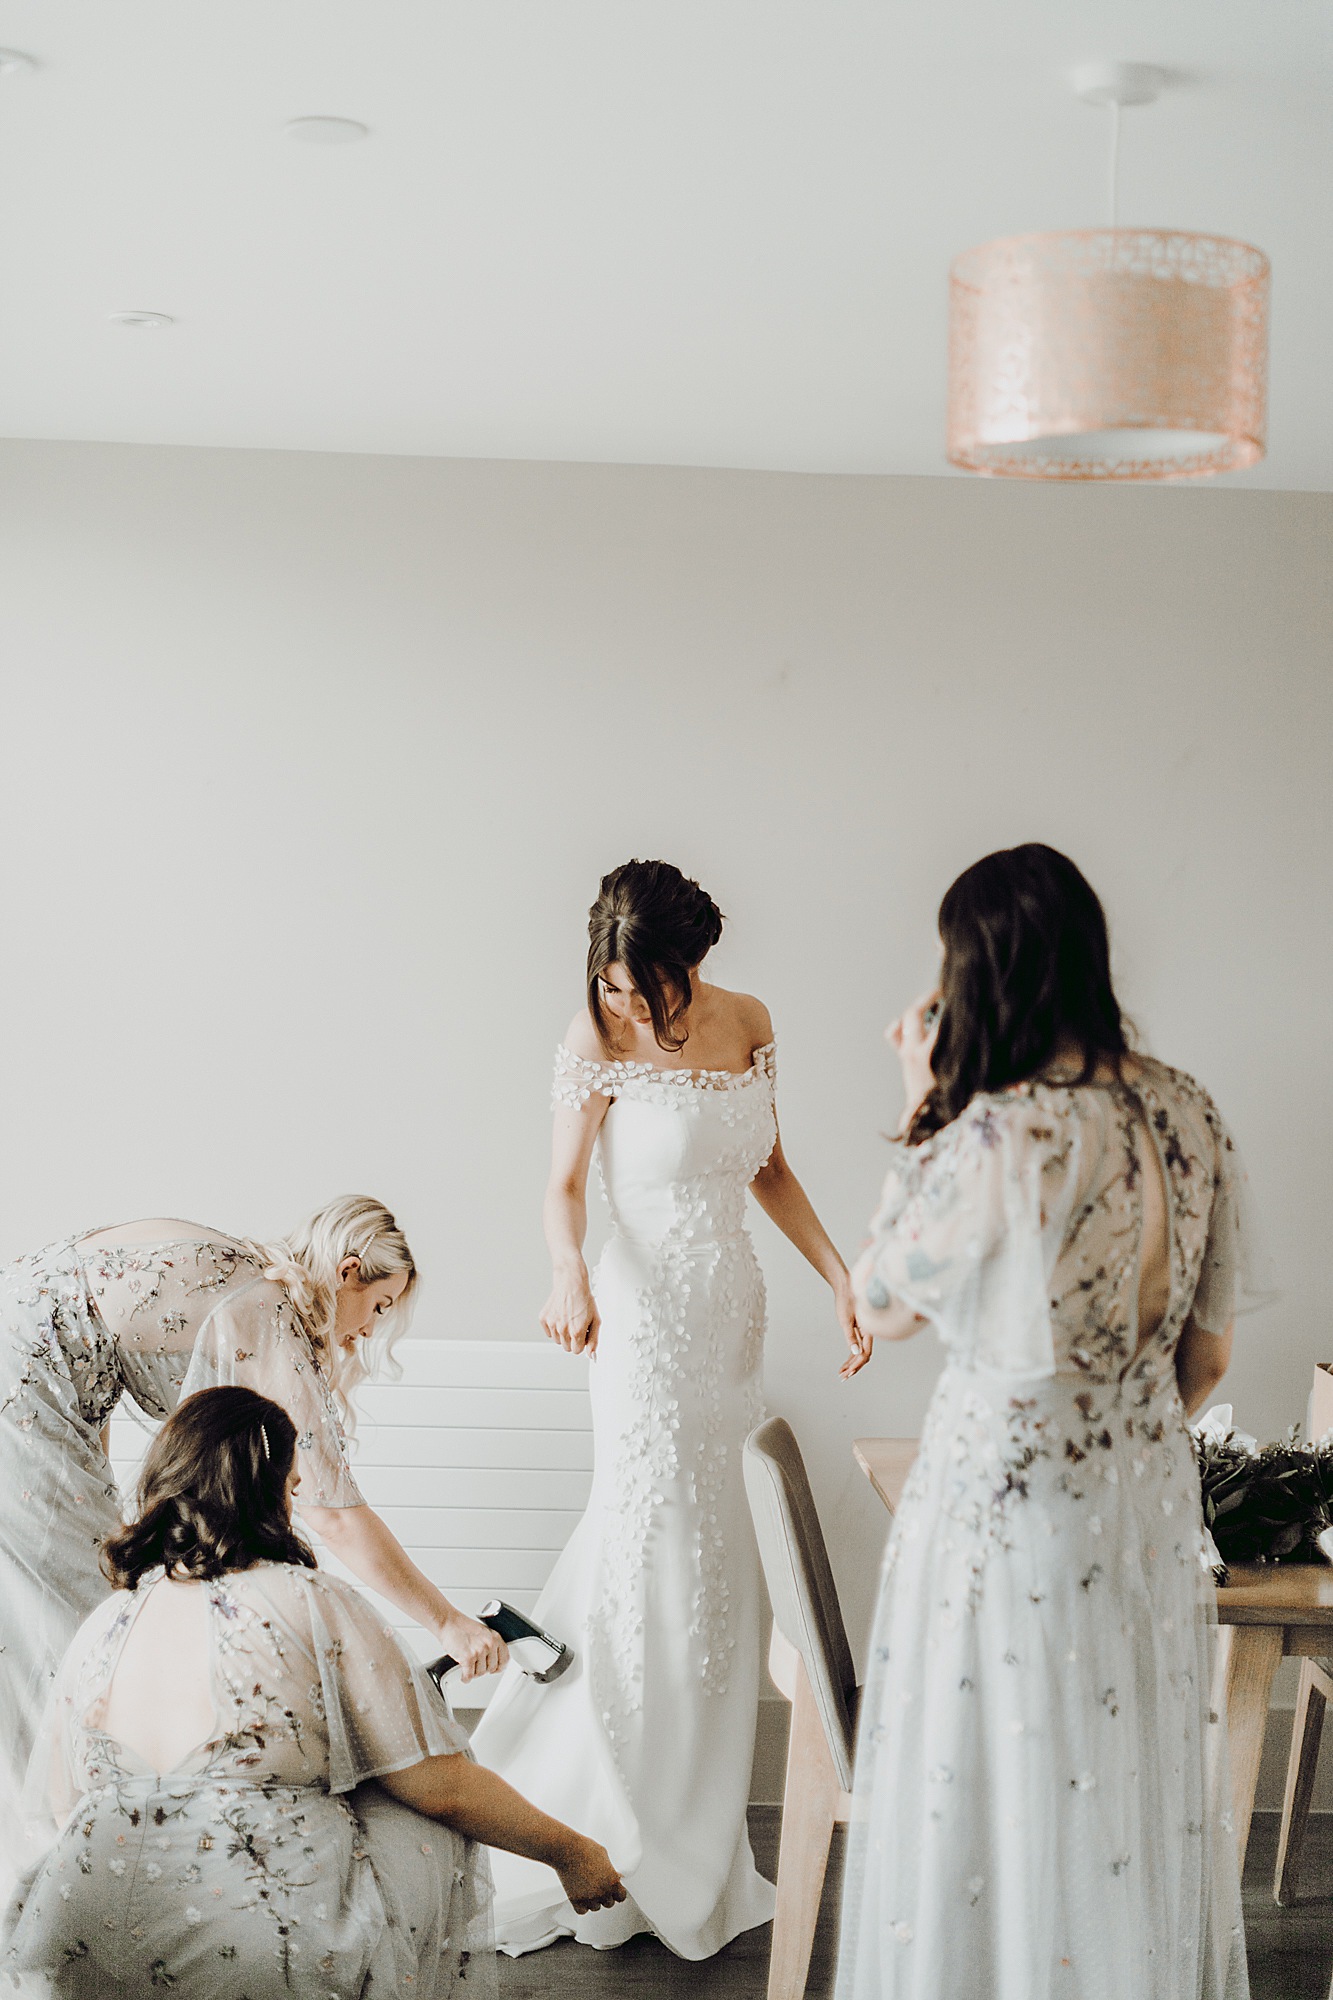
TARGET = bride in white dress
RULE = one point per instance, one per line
(1042, 1805)
(648, 1738)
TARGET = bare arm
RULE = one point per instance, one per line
(1202, 1359)
(785, 1202)
(913, 1035)
(359, 1538)
(481, 1806)
(570, 1316)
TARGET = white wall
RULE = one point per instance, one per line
(311, 764)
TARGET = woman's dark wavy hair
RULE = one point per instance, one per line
(659, 925)
(1026, 975)
(212, 1493)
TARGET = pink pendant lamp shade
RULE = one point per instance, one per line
(1108, 353)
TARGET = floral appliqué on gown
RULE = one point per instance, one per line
(646, 1743)
(1041, 1801)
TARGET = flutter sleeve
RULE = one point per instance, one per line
(56, 1777)
(384, 1712)
(968, 1228)
(253, 1338)
(1236, 1275)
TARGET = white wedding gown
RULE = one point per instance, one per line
(646, 1742)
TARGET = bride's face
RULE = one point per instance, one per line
(621, 997)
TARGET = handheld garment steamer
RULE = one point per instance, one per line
(515, 1630)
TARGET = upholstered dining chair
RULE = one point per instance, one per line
(1316, 1690)
(1313, 1696)
(810, 1662)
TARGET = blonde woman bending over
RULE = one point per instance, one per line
(156, 1310)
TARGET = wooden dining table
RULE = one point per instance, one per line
(1265, 1611)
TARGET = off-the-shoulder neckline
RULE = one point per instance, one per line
(620, 1068)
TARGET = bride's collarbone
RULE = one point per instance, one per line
(725, 1038)
(713, 1054)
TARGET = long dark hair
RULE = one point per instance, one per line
(1026, 976)
(212, 1493)
(659, 925)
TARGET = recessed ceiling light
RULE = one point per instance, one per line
(141, 319)
(327, 131)
(13, 60)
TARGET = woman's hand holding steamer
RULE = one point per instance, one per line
(476, 1648)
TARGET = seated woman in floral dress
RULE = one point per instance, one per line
(136, 1311)
(200, 1806)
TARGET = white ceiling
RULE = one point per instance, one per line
(714, 232)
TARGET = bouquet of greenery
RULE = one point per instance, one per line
(1269, 1503)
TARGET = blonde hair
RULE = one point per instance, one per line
(306, 1263)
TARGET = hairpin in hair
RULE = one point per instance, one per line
(263, 1434)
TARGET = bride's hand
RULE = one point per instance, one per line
(860, 1342)
(570, 1317)
(913, 1034)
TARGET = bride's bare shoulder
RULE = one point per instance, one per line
(582, 1039)
(748, 1014)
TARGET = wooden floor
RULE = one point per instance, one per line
(1291, 1951)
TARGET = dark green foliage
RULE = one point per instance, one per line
(1269, 1505)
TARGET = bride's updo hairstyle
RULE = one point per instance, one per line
(660, 926)
(1026, 978)
(306, 1262)
(212, 1493)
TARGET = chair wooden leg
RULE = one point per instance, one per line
(1307, 1727)
(809, 1811)
(1250, 1657)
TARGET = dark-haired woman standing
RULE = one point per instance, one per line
(198, 1808)
(1041, 1778)
(671, 1081)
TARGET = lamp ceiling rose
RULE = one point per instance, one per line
(1119, 82)
(13, 62)
(327, 131)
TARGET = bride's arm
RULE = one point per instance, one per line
(570, 1316)
(785, 1202)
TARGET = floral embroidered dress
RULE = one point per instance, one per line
(646, 1742)
(1041, 1784)
(256, 1870)
(81, 1324)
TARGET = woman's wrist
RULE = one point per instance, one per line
(560, 1842)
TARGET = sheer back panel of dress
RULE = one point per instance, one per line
(159, 1700)
(264, 1866)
